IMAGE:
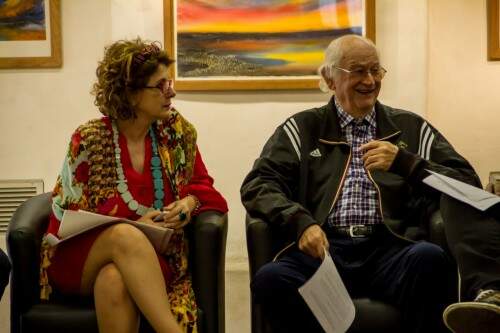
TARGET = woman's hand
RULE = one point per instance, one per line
(178, 213)
(149, 217)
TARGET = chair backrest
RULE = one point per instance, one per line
(24, 237)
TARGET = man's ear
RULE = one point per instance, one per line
(331, 84)
(328, 79)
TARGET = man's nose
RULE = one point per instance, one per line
(368, 78)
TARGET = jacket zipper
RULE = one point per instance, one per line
(381, 211)
(380, 196)
(342, 179)
(336, 194)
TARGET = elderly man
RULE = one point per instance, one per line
(334, 177)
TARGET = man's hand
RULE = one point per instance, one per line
(378, 155)
(313, 241)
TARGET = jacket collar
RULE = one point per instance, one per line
(331, 132)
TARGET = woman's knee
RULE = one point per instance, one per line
(109, 286)
(125, 238)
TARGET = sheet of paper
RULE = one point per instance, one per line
(76, 222)
(328, 299)
(469, 194)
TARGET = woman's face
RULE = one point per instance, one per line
(154, 101)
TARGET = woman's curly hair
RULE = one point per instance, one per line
(126, 67)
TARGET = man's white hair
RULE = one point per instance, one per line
(333, 54)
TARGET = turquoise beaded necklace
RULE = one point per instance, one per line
(156, 172)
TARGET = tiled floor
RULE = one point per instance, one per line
(237, 302)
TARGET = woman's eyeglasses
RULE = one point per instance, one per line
(163, 86)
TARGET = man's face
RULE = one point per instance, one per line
(357, 93)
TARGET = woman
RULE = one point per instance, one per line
(137, 160)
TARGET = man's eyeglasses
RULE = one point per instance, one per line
(377, 73)
(163, 86)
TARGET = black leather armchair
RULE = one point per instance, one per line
(371, 316)
(62, 314)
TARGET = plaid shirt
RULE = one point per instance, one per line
(358, 202)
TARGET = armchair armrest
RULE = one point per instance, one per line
(259, 243)
(261, 247)
(208, 252)
(24, 235)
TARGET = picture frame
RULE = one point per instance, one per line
(44, 53)
(243, 82)
(493, 13)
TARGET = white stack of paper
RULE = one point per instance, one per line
(469, 194)
(76, 222)
(328, 299)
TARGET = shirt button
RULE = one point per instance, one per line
(354, 206)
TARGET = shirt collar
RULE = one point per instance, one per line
(345, 118)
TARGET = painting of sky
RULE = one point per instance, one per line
(260, 37)
(22, 20)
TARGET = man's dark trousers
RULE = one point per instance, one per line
(474, 240)
(412, 276)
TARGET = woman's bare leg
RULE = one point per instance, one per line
(116, 311)
(132, 253)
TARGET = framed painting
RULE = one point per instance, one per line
(30, 34)
(257, 44)
(493, 12)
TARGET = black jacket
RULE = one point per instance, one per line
(299, 175)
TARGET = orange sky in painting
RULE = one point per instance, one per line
(193, 16)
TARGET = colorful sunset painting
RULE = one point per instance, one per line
(22, 20)
(260, 37)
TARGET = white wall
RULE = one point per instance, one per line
(39, 108)
(463, 87)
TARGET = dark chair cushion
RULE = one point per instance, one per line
(59, 318)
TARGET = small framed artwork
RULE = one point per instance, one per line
(256, 44)
(30, 34)
(493, 13)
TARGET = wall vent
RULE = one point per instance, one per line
(12, 194)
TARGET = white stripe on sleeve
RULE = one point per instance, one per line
(292, 140)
